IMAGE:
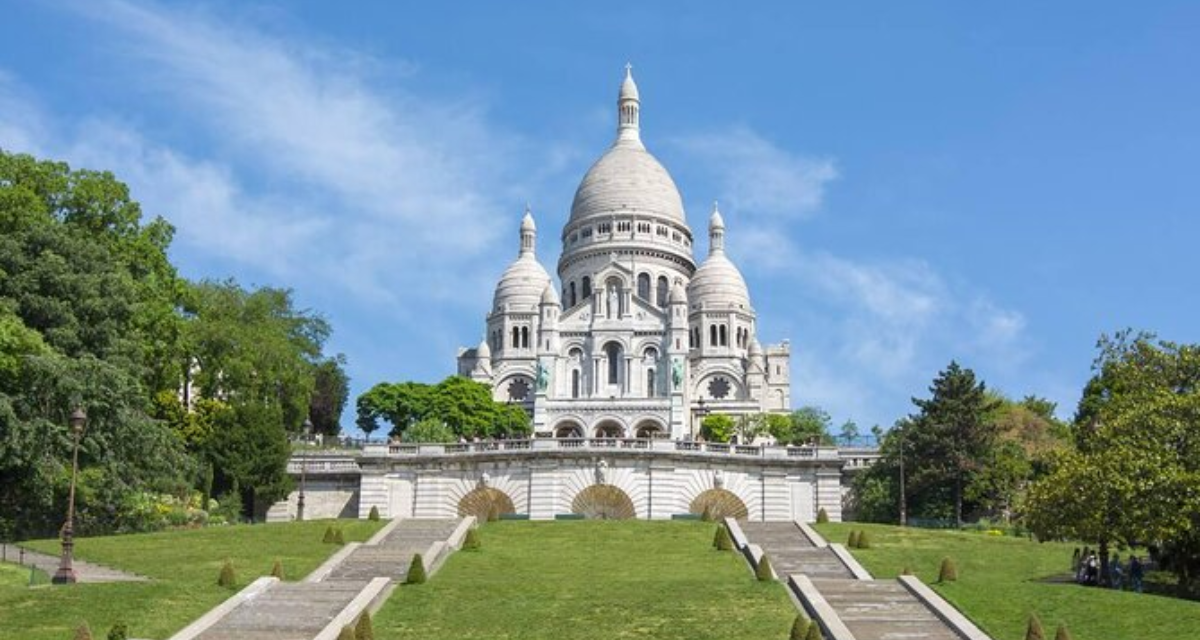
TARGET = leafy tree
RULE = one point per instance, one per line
(466, 407)
(717, 427)
(750, 426)
(808, 424)
(1135, 473)
(429, 430)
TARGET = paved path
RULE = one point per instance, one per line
(300, 610)
(791, 551)
(84, 571)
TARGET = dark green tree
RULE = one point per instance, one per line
(951, 437)
(331, 389)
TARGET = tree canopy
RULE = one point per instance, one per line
(176, 378)
(464, 406)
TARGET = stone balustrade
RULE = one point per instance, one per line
(600, 445)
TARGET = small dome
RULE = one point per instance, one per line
(678, 293)
(755, 348)
(483, 351)
(522, 284)
(527, 222)
(718, 284)
(549, 295)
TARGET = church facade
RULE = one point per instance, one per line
(636, 339)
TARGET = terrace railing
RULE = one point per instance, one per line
(601, 444)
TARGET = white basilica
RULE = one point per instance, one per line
(638, 341)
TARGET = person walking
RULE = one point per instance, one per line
(1116, 573)
(1136, 573)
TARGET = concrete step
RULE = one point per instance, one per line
(882, 610)
(287, 611)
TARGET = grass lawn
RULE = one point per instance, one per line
(14, 575)
(1002, 580)
(184, 567)
(590, 579)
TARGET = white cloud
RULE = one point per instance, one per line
(756, 177)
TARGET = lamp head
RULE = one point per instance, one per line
(78, 419)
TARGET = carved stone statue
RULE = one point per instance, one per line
(543, 376)
(614, 304)
(718, 479)
(677, 372)
(602, 472)
(484, 480)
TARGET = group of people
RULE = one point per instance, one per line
(1086, 566)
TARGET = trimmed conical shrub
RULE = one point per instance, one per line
(814, 632)
(799, 627)
(118, 632)
(416, 571)
(363, 630)
(852, 541)
(471, 541)
(864, 540)
(1034, 630)
(328, 538)
(338, 538)
(84, 632)
(707, 514)
(948, 571)
(346, 634)
(722, 541)
(822, 516)
(763, 570)
(1062, 633)
(227, 577)
(374, 515)
(277, 570)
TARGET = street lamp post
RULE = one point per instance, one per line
(903, 497)
(701, 413)
(308, 426)
(66, 569)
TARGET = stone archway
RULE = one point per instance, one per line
(649, 429)
(721, 503)
(609, 429)
(568, 429)
(485, 503)
(603, 502)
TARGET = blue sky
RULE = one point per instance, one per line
(903, 183)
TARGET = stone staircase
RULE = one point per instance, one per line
(882, 610)
(392, 555)
(302, 610)
(792, 552)
(849, 604)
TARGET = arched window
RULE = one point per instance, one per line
(650, 383)
(724, 337)
(525, 337)
(644, 286)
(572, 297)
(575, 383)
(663, 286)
(712, 335)
(516, 337)
(587, 287)
(613, 351)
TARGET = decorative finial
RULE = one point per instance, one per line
(628, 69)
(715, 206)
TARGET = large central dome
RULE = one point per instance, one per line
(627, 179)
